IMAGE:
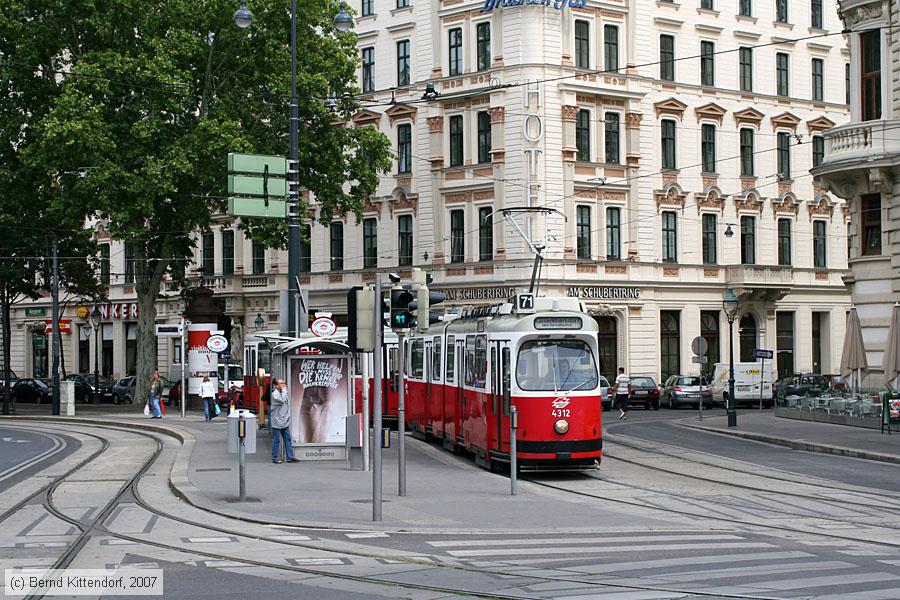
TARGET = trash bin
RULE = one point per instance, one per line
(233, 440)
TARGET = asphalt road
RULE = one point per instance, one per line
(662, 427)
(24, 452)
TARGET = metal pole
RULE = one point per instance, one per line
(732, 415)
(513, 462)
(365, 409)
(54, 314)
(297, 313)
(242, 461)
(762, 378)
(293, 205)
(184, 366)
(96, 353)
(401, 414)
(376, 404)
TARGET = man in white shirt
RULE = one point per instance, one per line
(208, 394)
(623, 391)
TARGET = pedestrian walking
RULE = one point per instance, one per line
(623, 391)
(280, 417)
(208, 393)
(156, 388)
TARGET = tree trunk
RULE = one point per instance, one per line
(7, 348)
(148, 279)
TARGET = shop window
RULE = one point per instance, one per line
(784, 341)
(709, 331)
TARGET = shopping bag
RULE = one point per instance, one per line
(146, 410)
(218, 410)
(162, 407)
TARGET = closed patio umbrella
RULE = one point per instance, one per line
(853, 356)
(892, 351)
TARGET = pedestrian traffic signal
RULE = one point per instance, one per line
(421, 306)
(401, 318)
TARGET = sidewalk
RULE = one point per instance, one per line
(840, 440)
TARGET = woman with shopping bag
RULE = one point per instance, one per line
(156, 389)
(208, 393)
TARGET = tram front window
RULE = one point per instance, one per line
(556, 366)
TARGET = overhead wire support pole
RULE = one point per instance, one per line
(54, 314)
(401, 415)
(294, 180)
(378, 377)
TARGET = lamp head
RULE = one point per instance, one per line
(242, 16)
(730, 305)
(343, 21)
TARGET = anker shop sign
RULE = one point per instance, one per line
(605, 293)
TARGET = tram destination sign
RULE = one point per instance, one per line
(601, 292)
(557, 323)
(490, 5)
(479, 293)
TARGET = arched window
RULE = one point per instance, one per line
(748, 336)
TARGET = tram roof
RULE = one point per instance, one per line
(517, 322)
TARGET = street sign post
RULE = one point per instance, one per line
(169, 330)
(762, 355)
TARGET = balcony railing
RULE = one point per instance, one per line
(753, 275)
(862, 140)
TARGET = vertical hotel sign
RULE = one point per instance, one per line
(533, 132)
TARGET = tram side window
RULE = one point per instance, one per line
(470, 360)
(481, 362)
(556, 365)
(436, 360)
(417, 359)
(392, 368)
(451, 341)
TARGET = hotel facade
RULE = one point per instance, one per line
(670, 144)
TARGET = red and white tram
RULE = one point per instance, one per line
(463, 375)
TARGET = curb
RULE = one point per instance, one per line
(804, 445)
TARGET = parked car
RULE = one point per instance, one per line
(645, 391)
(606, 396)
(685, 389)
(804, 384)
(31, 390)
(102, 389)
(123, 391)
(12, 380)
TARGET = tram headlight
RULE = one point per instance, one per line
(561, 426)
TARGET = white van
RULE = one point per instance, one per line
(747, 376)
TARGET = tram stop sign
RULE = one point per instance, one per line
(699, 346)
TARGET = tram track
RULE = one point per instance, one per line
(98, 526)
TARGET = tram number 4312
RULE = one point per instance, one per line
(561, 412)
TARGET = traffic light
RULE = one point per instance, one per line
(361, 319)
(421, 306)
(401, 318)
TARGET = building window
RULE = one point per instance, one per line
(368, 8)
(611, 138)
(784, 242)
(781, 74)
(707, 63)
(669, 344)
(207, 254)
(130, 262)
(305, 250)
(583, 135)
(403, 62)
(706, 4)
(709, 331)
(818, 150)
(784, 342)
(748, 240)
(747, 152)
(404, 148)
(667, 135)
(483, 46)
(667, 57)
(708, 148)
(745, 8)
(485, 234)
(781, 11)
(456, 140)
(818, 76)
(456, 55)
(457, 236)
(710, 238)
(582, 45)
(104, 264)
(370, 243)
(402, 3)
(870, 206)
(847, 84)
(336, 231)
(870, 76)
(583, 233)
(747, 334)
(820, 250)
(611, 48)
(484, 137)
(258, 260)
(817, 320)
(815, 15)
(613, 233)
(368, 70)
(227, 252)
(405, 229)
(669, 237)
(745, 60)
(784, 156)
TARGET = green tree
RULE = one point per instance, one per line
(154, 95)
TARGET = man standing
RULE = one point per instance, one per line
(623, 391)
(280, 417)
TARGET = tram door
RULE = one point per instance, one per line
(429, 388)
(460, 396)
(499, 384)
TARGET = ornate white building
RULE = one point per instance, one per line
(656, 129)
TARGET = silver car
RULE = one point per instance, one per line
(685, 389)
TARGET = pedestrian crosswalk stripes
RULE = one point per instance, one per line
(605, 549)
(574, 540)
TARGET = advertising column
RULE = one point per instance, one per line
(201, 360)
(320, 403)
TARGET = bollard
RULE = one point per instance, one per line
(513, 463)
(242, 460)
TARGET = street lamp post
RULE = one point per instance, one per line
(343, 21)
(730, 305)
(95, 321)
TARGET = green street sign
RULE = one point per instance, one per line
(256, 207)
(36, 312)
(256, 164)
(242, 185)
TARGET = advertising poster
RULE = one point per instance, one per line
(319, 388)
(201, 360)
